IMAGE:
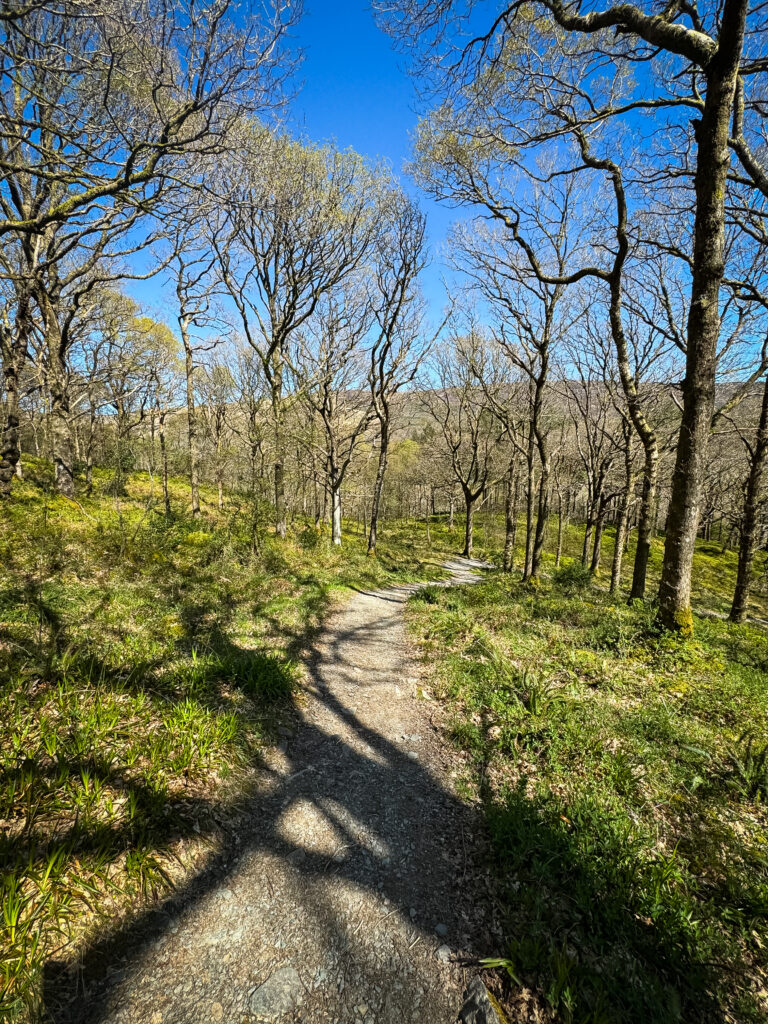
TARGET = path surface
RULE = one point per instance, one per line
(355, 891)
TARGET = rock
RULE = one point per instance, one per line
(480, 1007)
(443, 953)
(279, 994)
(217, 1012)
(441, 930)
(412, 912)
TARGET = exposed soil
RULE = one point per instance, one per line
(356, 882)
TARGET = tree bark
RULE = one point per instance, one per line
(336, 513)
(164, 459)
(703, 328)
(62, 438)
(529, 520)
(194, 455)
(597, 547)
(276, 389)
(647, 518)
(378, 487)
(542, 516)
(588, 528)
(469, 526)
(510, 519)
(10, 452)
(622, 525)
(560, 529)
(749, 526)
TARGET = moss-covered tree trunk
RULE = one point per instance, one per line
(703, 328)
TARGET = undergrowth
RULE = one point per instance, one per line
(624, 775)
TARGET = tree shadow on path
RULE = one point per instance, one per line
(344, 864)
(340, 868)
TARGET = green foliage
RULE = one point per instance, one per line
(623, 773)
(747, 771)
(572, 575)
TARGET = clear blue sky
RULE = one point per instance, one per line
(354, 89)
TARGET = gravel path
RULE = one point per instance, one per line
(351, 892)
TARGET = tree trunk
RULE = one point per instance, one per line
(281, 525)
(529, 523)
(560, 530)
(542, 515)
(703, 328)
(469, 527)
(594, 566)
(194, 456)
(378, 488)
(510, 519)
(62, 437)
(164, 460)
(336, 513)
(588, 527)
(10, 452)
(749, 526)
(622, 525)
(646, 522)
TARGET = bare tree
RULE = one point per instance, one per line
(757, 448)
(707, 70)
(99, 102)
(468, 428)
(396, 351)
(297, 221)
(331, 364)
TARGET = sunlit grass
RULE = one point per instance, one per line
(624, 774)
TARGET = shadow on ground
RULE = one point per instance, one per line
(378, 827)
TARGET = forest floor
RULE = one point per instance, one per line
(149, 664)
(164, 736)
(623, 774)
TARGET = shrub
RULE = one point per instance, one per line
(572, 575)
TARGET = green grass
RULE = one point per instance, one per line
(624, 776)
(145, 662)
(713, 577)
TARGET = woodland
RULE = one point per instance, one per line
(189, 487)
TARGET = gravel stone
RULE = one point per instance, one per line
(279, 994)
(479, 1006)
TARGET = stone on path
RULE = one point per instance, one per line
(479, 1006)
(279, 994)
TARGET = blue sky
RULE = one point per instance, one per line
(355, 90)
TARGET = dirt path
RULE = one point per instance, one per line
(353, 888)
